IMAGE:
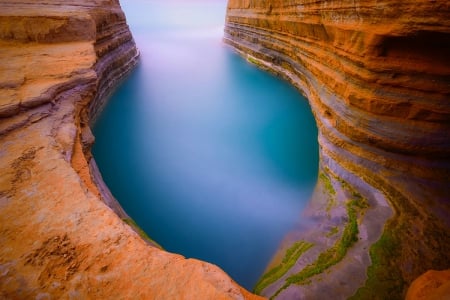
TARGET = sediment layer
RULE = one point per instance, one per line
(58, 62)
(377, 77)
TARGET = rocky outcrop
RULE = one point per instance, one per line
(433, 285)
(58, 61)
(377, 77)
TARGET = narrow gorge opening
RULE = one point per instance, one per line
(213, 158)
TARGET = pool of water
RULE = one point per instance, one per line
(212, 157)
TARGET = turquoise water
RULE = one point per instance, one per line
(212, 157)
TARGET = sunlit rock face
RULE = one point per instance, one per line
(377, 76)
(58, 61)
(432, 285)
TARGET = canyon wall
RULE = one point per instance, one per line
(377, 77)
(58, 62)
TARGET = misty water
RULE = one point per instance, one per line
(212, 157)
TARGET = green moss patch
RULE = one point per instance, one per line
(290, 258)
(329, 190)
(332, 255)
(327, 184)
(141, 232)
(382, 276)
(358, 199)
(333, 231)
(253, 60)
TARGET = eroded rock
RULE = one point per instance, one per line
(377, 77)
(58, 62)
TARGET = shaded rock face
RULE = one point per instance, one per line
(58, 61)
(377, 76)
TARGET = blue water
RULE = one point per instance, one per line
(212, 157)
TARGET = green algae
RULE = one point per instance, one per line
(327, 184)
(290, 258)
(332, 255)
(333, 231)
(329, 189)
(254, 61)
(141, 232)
(381, 277)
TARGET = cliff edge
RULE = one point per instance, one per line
(58, 61)
(377, 77)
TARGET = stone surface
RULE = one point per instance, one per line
(58, 61)
(432, 285)
(377, 76)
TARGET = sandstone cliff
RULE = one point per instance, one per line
(433, 285)
(377, 76)
(58, 61)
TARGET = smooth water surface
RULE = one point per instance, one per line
(212, 157)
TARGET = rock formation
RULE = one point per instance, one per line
(377, 76)
(433, 285)
(58, 61)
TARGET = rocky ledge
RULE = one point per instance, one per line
(58, 62)
(377, 76)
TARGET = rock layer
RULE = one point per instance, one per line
(58, 62)
(377, 77)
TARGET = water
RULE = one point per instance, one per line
(212, 157)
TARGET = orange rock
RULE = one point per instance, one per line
(376, 74)
(432, 285)
(58, 239)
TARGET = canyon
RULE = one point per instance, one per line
(59, 60)
(377, 77)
